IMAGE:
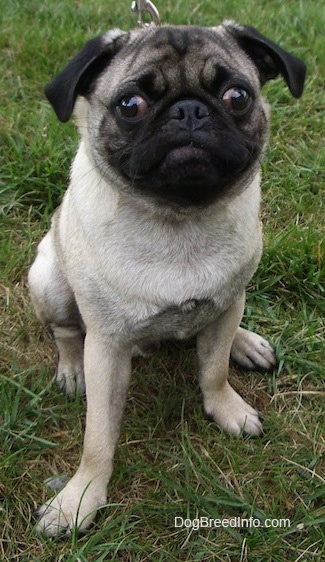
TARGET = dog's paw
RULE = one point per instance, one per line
(252, 351)
(70, 378)
(74, 507)
(70, 373)
(232, 413)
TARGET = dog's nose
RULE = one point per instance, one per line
(189, 114)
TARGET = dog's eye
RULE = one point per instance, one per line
(133, 107)
(236, 100)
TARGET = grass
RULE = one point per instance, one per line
(170, 462)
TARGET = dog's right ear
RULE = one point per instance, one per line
(78, 76)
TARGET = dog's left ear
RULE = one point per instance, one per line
(269, 58)
(78, 76)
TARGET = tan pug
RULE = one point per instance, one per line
(158, 233)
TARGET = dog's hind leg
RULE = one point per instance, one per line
(252, 351)
(56, 308)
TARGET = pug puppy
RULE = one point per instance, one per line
(158, 233)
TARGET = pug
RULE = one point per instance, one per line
(159, 232)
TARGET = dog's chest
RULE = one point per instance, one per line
(178, 322)
(153, 277)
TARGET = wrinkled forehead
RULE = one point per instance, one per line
(179, 42)
(182, 54)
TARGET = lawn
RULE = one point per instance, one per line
(170, 461)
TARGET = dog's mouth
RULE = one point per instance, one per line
(186, 175)
(171, 159)
(183, 177)
(186, 168)
(185, 155)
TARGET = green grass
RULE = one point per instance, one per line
(170, 462)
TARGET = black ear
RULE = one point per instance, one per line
(269, 58)
(77, 77)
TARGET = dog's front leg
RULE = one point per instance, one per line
(222, 404)
(107, 366)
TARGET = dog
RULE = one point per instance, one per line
(159, 232)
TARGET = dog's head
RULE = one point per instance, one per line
(175, 113)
